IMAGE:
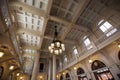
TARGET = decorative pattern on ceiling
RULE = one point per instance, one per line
(35, 21)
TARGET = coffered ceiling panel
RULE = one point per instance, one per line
(50, 28)
(68, 47)
(30, 40)
(74, 34)
(30, 21)
(92, 13)
(64, 8)
(46, 43)
(41, 4)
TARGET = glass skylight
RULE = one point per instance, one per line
(107, 28)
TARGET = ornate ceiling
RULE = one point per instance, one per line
(35, 21)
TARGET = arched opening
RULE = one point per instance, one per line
(119, 55)
(81, 74)
(67, 76)
(1, 71)
(61, 77)
(101, 71)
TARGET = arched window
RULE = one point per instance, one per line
(1, 72)
(101, 72)
(119, 55)
(61, 77)
(81, 74)
(65, 59)
(67, 76)
(75, 51)
(87, 43)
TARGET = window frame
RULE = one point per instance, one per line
(88, 43)
(107, 29)
(75, 50)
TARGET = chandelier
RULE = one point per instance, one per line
(56, 47)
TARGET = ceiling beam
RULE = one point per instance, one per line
(34, 48)
(49, 6)
(28, 31)
(60, 20)
(65, 22)
(30, 47)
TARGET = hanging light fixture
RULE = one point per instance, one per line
(56, 47)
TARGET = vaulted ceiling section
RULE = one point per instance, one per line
(35, 21)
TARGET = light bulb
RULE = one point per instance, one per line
(62, 45)
(11, 67)
(63, 48)
(18, 74)
(56, 52)
(52, 45)
(41, 77)
(90, 61)
(21, 77)
(57, 76)
(58, 44)
(63, 73)
(75, 68)
(119, 45)
(1, 54)
(60, 50)
(51, 51)
(49, 48)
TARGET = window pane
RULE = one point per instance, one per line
(75, 51)
(103, 28)
(107, 25)
(87, 42)
(65, 59)
(89, 47)
(111, 32)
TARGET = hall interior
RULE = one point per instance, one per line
(88, 29)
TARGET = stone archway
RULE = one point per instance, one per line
(81, 74)
(67, 76)
(119, 55)
(61, 77)
(1, 71)
(101, 71)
